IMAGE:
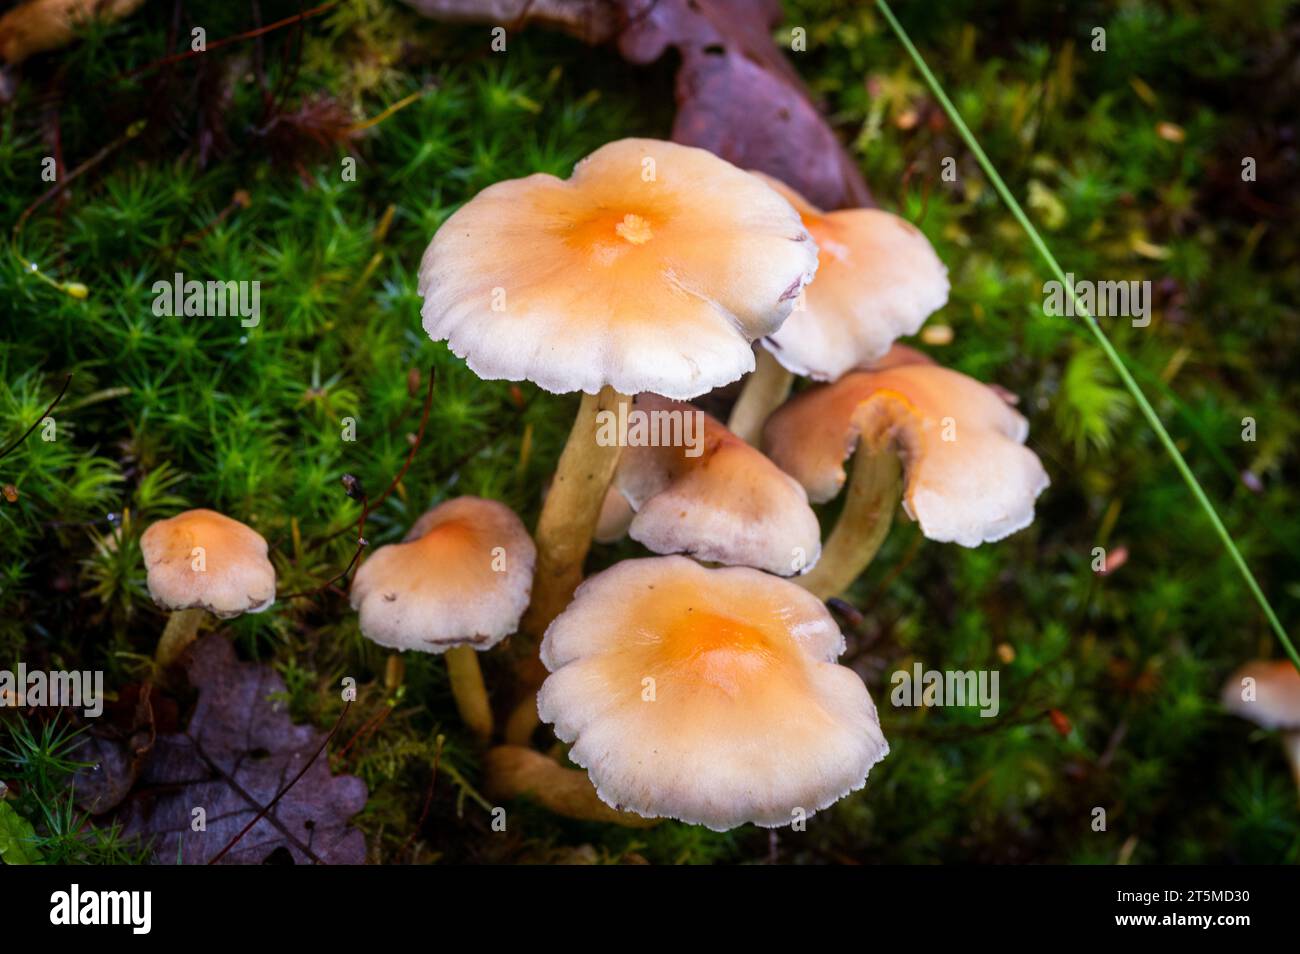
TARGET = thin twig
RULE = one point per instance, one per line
(369, 506)
(36, 423)
(368, 728)
(362, 543)
(428, 797)
(227, 41)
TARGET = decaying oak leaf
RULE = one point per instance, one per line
(239, 751)
(737, 95)
(41, 25)
(113, 749)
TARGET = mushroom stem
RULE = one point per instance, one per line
(1291, 743)
(874, 490)
(469, 691)
(523, 721)
(764, 391)
(511, 771)
(394, 672)
(181, 630)
(572, 510)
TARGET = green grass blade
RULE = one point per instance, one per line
(1103, 342)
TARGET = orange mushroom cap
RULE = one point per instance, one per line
(651, 268)
(461, 576)
(201, 559)
(729, 504)
(707, 695)
(878, 279)
(1275, 701)
(968, 477)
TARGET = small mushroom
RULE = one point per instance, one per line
(969, 478)
(718, 500)
(201, 562)
(878, 279)
(652, 268)
(456, 584)
(1267, 692)
(707, 695)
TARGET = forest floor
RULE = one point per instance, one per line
(1130, 160)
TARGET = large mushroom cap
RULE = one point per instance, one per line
(651, 268)
(1272, 700)
(461, 576)
(969, 478)
(710, 696)
(878, 279)
(720, 500)
(201, 559)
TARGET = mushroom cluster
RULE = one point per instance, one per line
(703, 684)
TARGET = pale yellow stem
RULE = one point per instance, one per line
(564, 533)
(872, 497)
(181, 630)
(512, 770)
(523, 721)
(469, 691)
(394, 673)
(572, 510)
(763, 392)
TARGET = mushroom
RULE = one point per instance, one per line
(707, 695)
(1267, 692)
(878, 279)
(719, 500)
(201, 562)
(969, 478)
(457, 583)
(652, 268)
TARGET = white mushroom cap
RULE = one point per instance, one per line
(1275, 690)
(878, 279)
(718, 499)
(201, 559)
(461, 576)
(707, 695)
(969, 479)
(651, 268)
